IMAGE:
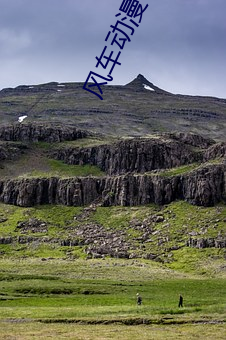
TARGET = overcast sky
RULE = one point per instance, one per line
(180, 45)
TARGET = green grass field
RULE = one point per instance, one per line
(96, 299)
(53, 291)
(38, 331)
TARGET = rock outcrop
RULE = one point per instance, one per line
(205, 186)
(133, 170)
(219, 242)
(191, 139)
(139, 155)
(11, 151)
(215, 151)
(37, 132)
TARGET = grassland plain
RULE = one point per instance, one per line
(51, 291)
(36, 331)
(96, 299)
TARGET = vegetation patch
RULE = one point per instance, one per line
(72, 294)
(60, 169)
(180, 170)
(159, 233)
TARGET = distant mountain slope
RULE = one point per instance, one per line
(137, 109)
(140, 83)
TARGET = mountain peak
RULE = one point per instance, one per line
(141, 77)
(140, 83)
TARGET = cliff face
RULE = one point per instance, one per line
(125, 163)
(35, 133)
(206, 186)
(202, 187)
(131, 155)
(191, 139)
(215, 151)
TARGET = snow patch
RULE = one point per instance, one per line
(148, 87)
(21, 118)
(31, 87)
(61, 85)
(59, 90)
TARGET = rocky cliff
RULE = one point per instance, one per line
(134, 169)
(37, 132)
(215, 151)
(205, 186)
(132, 155)
(191, 139)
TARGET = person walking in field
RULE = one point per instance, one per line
(180, 301)
(139, 299)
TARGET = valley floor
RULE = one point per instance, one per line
(96, 299)
(36, 331)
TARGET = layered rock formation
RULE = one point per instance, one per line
(205, 186)
(38, 132)
(131, 155)
(191, 139)
(133, 167)
(215, 151)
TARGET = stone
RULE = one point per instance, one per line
(159, 218)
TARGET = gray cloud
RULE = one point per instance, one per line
(180, 44)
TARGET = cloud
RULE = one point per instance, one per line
(13, 42)
(180, 44)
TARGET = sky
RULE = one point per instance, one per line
(180, 45)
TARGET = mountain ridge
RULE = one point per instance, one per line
(138, 108)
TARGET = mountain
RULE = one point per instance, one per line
(103, 199)
(140, 83)
(109, 178)
(139, 108)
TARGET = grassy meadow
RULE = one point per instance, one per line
(52, 291)
(96, 299)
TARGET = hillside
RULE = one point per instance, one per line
(129, 172)
(83, 193)
(100, 200)
(136, 109)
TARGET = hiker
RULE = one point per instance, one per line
(139, 299)
(180, 301)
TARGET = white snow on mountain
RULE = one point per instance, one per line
(148, 87)
(21, 118)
